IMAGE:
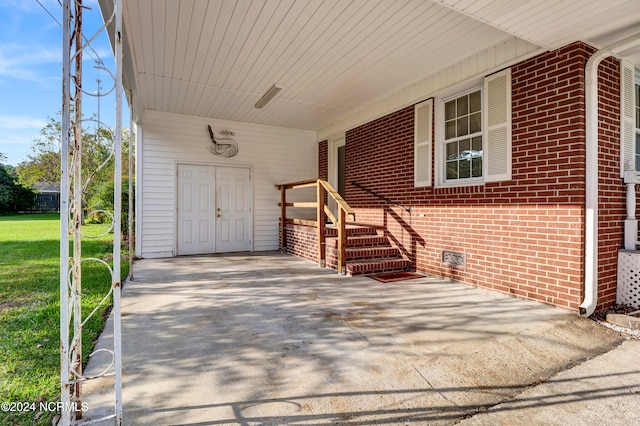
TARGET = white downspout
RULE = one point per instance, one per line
(588, 306)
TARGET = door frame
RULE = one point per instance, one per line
(332, 167)
(209, 164)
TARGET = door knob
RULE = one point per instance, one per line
(219, 215)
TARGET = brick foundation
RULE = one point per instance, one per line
(302, 241)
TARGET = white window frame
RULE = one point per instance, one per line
(495, 92)
(440, 142)
(443, 142)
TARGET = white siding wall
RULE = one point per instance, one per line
(276, 155)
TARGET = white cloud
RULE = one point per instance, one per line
(36, 62)
(30, 40)
(8, 121)
(16, 145)
(18, 61)
(14, 139)
(17, 133)
(12, 55)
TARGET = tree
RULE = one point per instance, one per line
(103, 199)
(43, 163)
(14, 197)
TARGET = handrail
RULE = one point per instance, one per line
(298, 184)
(382, 197)
(322, 208)
(337, 197)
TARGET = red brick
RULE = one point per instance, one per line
(523, 237)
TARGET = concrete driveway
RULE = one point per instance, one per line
(270, 339)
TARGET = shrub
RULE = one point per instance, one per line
(103, 199)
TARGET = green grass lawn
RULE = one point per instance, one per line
(30, 308)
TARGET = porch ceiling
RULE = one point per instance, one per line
(333, 57)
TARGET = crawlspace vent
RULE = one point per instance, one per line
(454, 259)
(628, 289)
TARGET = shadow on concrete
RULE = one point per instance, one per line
(389, 416)
(272, 339)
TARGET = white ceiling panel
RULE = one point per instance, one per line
(215, 58)
(554, 23)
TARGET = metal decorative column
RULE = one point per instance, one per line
(73, 186)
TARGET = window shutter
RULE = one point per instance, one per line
(497, 125)
(422, 143)
(627, 125)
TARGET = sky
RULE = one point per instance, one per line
(31, 71)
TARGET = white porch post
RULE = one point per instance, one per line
(630, 223)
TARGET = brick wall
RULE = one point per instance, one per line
(302, 241)
(323, 167)
(323, 159)
(523, 237)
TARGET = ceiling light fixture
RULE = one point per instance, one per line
(273, 91)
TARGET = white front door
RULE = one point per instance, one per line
(233, 209)
(214, 209)
(196, 220)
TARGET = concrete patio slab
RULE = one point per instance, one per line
(602, 391)
(270, 339)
